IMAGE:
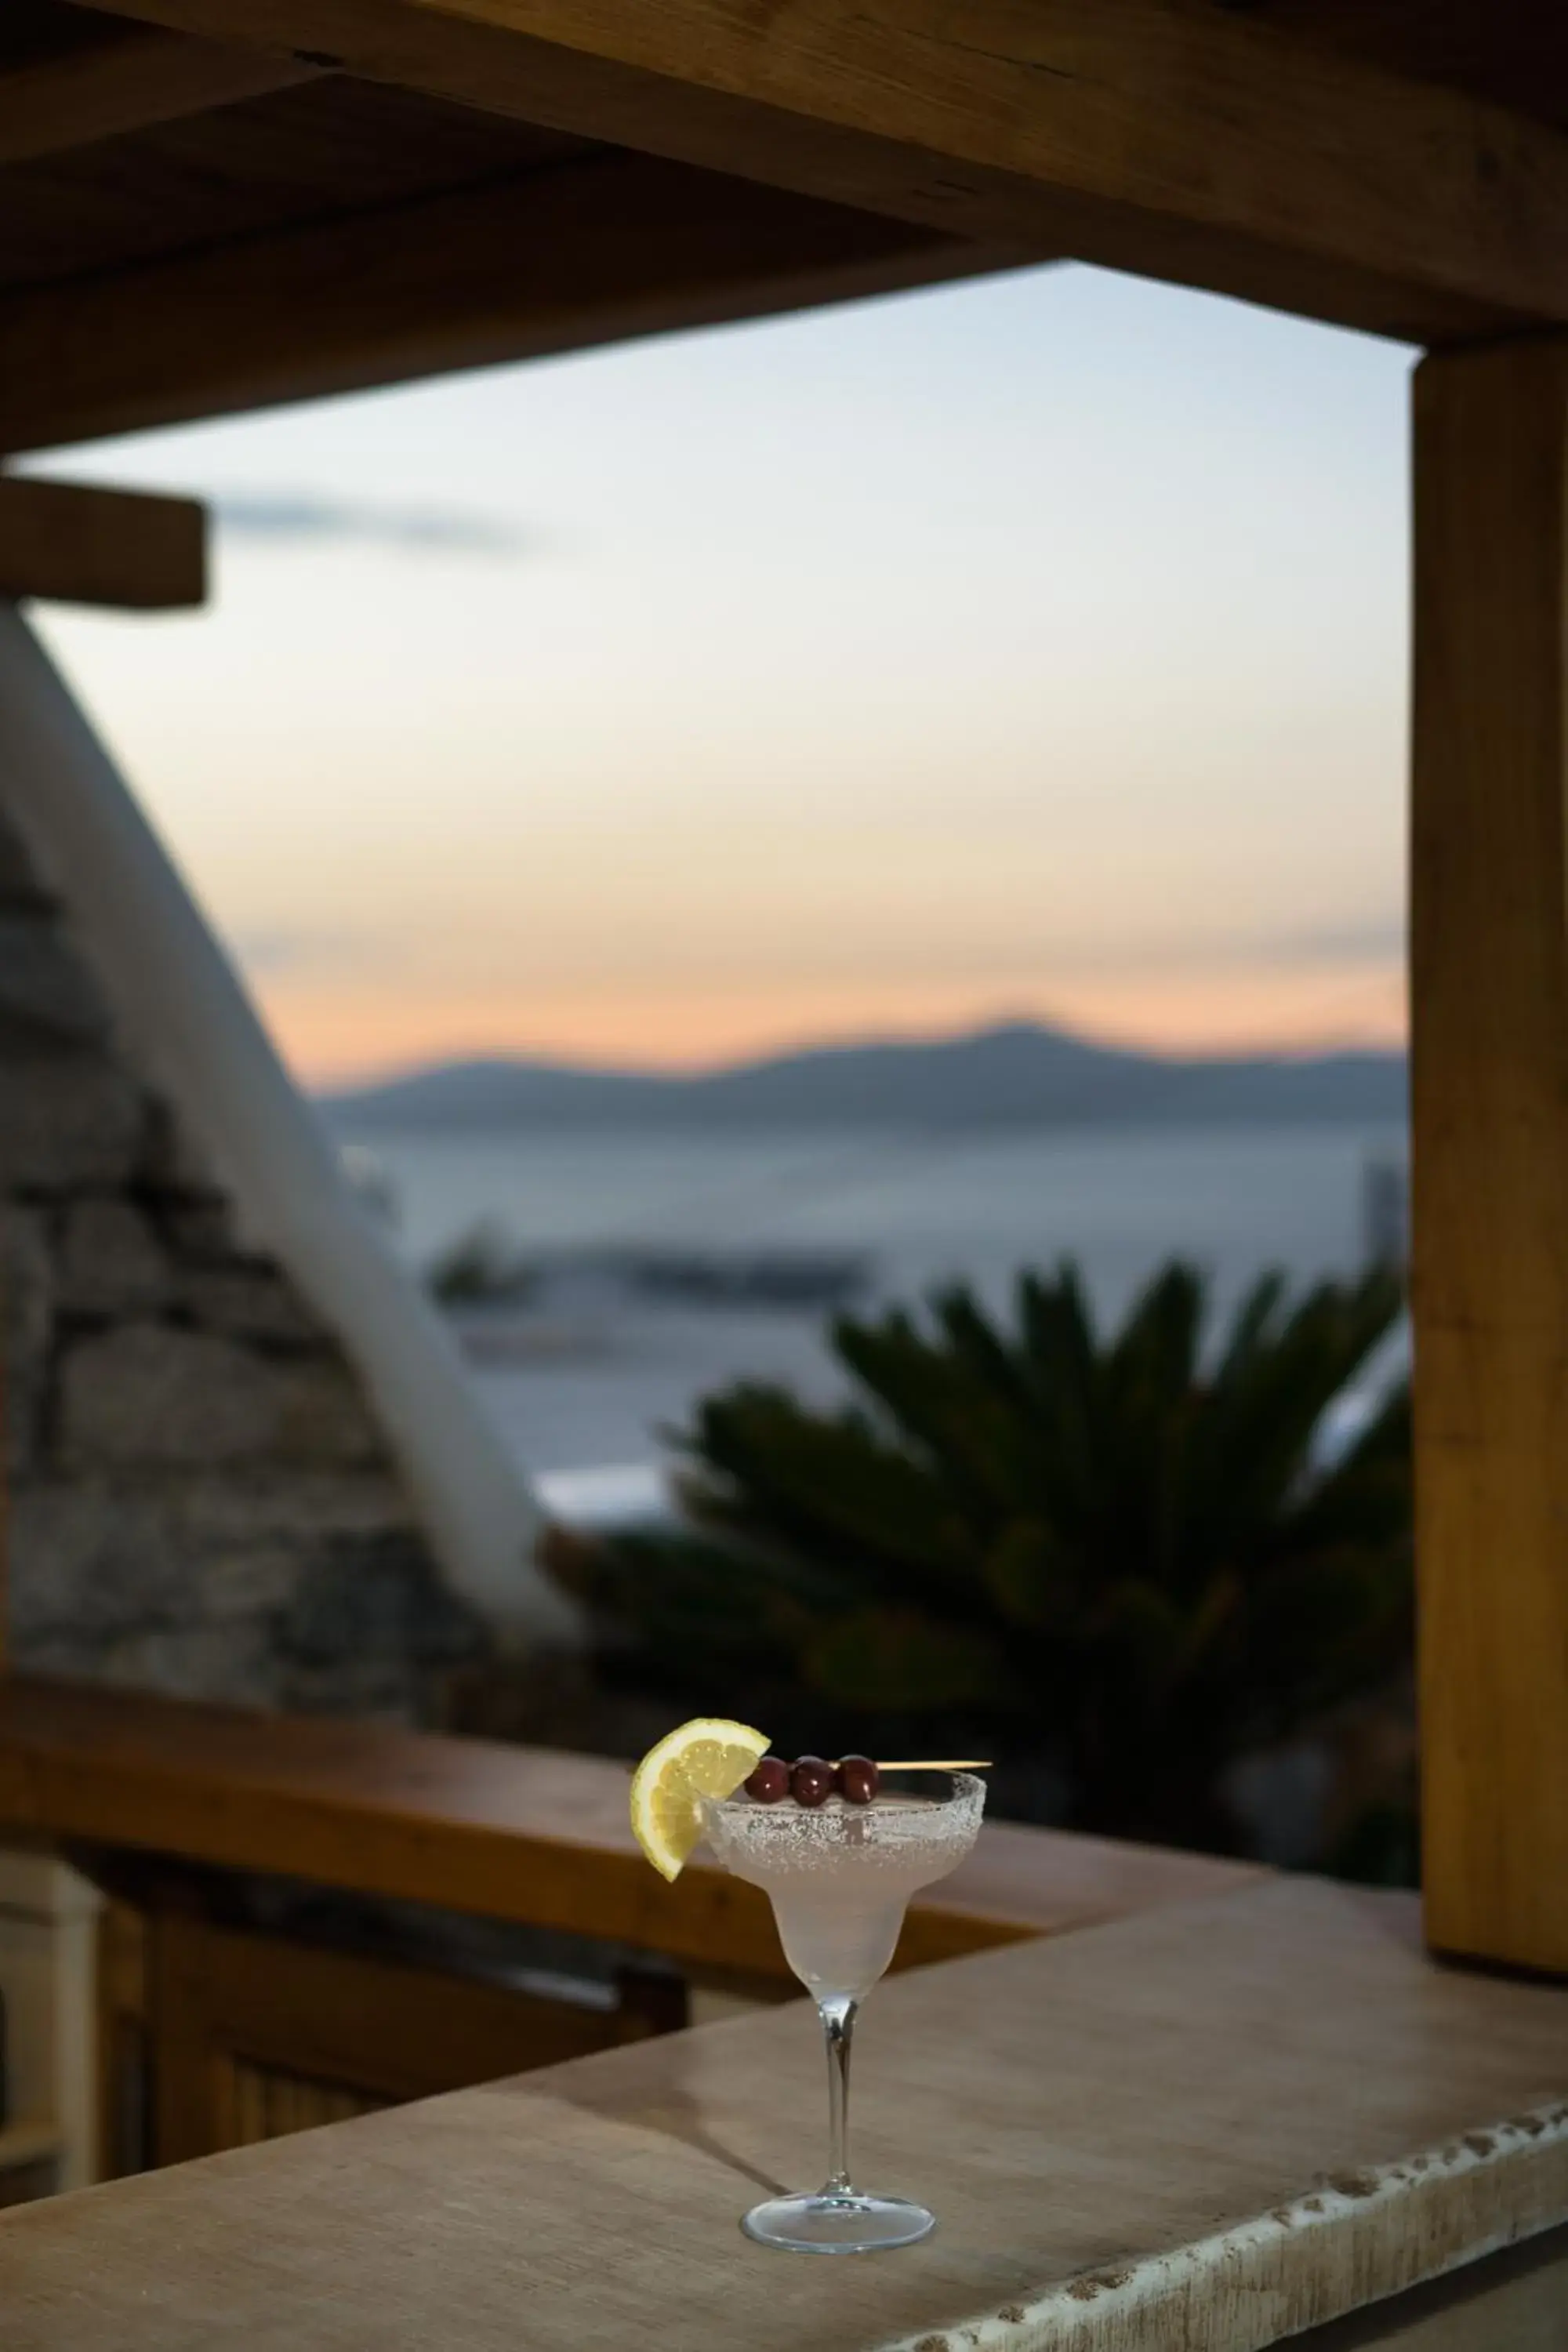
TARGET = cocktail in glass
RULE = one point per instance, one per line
(839, 1876)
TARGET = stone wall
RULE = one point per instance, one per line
(199, 1501)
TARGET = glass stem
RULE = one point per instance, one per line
(837, 2014)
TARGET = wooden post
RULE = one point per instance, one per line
(1489, 1017)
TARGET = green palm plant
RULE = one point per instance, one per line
(1123, 1558)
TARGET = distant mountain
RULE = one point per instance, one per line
(1020, 1075)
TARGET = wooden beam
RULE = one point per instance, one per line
(1489, 980)
(518, 1834)
(128, 83)
(1180, 142)
(1510, 50)
(574, 254)
(83, 545)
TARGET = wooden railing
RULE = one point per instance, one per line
(218, 2021)
(529, 1835)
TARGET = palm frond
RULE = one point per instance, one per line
(1123, 1552)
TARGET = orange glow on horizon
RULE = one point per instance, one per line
(339, 1035)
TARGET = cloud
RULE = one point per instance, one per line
(278, 517)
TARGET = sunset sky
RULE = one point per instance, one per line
(1031, 647)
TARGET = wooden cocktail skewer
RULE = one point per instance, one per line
(939, 1764)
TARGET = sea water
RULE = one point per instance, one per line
(591, 1375)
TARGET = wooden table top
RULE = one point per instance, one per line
(1212, 2123)
(526, 1834)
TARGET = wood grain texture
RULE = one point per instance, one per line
(1273, 2072)
(300, 157)
(1187, 144)
(506, 1833)
(1512, 2302)
(255, 2035)
(1513, 51)
(587, 252)
(1489, 987)
(265, 2104)
(83, 545)
(50, 105)
(121, 2060)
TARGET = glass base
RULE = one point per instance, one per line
(827, 2222)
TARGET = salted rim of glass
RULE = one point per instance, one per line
(964, 1786)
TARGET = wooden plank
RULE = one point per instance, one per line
(1490, 982)
(1211, 2125)
(506, 1832)
(1511, 50)
(376, 2031)
(137, 77)
(120, 2058)
(587, 252)
(84, 545)
(297, 158)
(1183, 143)
(1514, 2300)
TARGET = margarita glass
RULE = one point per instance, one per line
(839, 1876)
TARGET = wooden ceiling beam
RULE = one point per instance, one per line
(572, 255)
(1189, 144)
(138, 77)
(83, 545)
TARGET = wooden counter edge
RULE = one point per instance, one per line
(533, 1836)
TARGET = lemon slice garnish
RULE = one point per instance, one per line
(706, 1757)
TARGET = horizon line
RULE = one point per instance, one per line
(869, 1040)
